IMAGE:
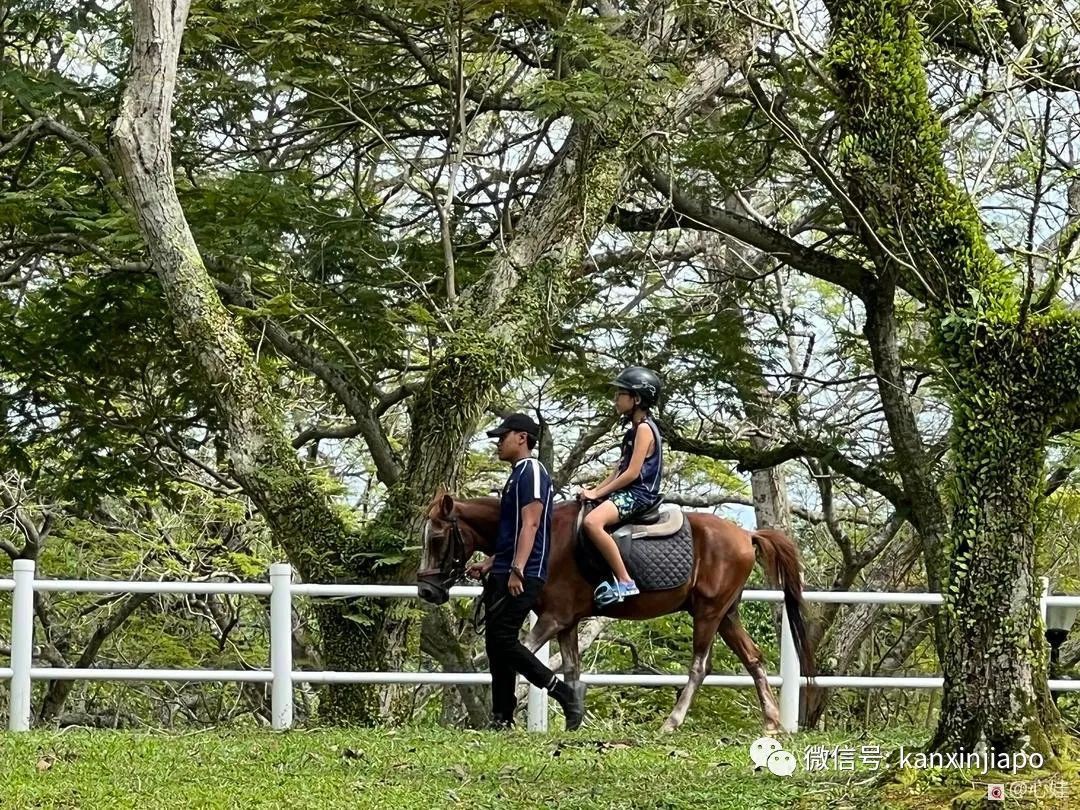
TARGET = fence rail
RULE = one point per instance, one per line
(281, 676)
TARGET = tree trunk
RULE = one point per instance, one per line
(928, 513)
(769, 492)
(441, 642)
(995, 673)
(302, 518)
(57, 692)
(845, 636)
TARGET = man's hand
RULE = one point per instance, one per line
(516, 586)
(589, 495)
(478, 570)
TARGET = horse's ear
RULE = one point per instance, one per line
(446, 505)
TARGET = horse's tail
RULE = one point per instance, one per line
(780, 559)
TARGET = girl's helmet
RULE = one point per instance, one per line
(643, 382)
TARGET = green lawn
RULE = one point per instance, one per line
(426, 768)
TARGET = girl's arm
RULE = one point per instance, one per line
(643, 442)
(592, 493)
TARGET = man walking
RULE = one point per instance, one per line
(518, 570)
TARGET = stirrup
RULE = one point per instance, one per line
(607, 593)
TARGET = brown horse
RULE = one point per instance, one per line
(724, 554)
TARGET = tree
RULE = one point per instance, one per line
(1011, 360)
(316, 536)
(494, 325)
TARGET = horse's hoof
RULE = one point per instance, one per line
(668, 727)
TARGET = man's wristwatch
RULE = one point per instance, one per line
(515, 570)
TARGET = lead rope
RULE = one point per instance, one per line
(480, 608)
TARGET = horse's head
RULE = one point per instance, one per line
(448, 544)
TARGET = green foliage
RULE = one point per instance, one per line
(140, 537)
(717, 475)
(607, 81)
(91, 374)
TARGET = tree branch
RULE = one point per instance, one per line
(44, 124)
(484, 101)
(388, 400)
(695, 502)
(687, 212)
(952, 25)
(582, 446)
(749, 458)
(58, 690)
(35, 535)
(823, 478)
(387, 465)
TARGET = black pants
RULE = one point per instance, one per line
(507, 656)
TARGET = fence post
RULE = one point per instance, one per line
(1045, 582)
(22, 644)
(281, 663)
(791, 675)
(538, 708)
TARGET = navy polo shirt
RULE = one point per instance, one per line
(528, 482)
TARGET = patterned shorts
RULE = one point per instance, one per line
(627, 503)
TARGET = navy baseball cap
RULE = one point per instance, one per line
(516, 422)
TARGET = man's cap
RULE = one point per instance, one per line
(516, 422)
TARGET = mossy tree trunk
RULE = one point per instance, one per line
(995, 669)
(1010, 374)
(304, 521)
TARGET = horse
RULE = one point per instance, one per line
(724, 555)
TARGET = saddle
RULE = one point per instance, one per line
(655, 545)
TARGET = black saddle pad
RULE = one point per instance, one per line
(655, 563)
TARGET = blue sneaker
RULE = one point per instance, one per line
(607, 593)
(628, 589)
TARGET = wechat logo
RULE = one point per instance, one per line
(768, 753)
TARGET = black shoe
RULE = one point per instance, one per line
(573, 706)
(500, 723)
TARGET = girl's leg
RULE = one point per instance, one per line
(595, 523)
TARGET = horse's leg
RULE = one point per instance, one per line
(705, 625)
(736, 637)
(571, 653)
(545, 629)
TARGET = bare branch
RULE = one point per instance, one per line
(749, 458)
(582, 446)
(688, 212)
(24, 523)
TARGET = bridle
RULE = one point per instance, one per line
(452, 565)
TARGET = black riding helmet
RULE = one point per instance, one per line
(643, 382)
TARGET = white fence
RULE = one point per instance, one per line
(282, 676)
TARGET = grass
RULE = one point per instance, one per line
(431, 767)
